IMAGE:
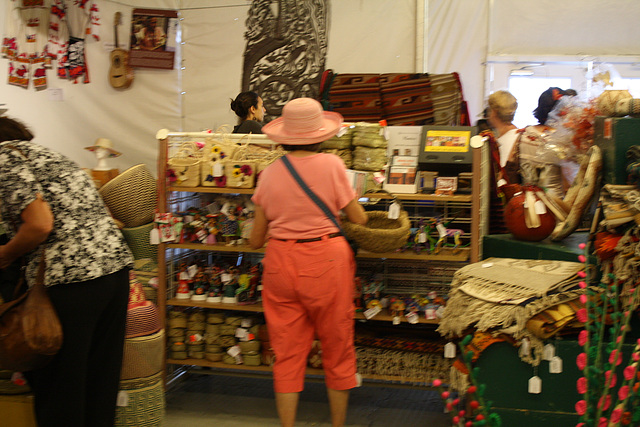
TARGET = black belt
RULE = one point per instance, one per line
(312, 239)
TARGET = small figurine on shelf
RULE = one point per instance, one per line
(373, 290)
(246, 226)
(200, 286)
(229, 285)
(396, 308)
(212, 229)
(230, 229)
(183, 282)
(247, 292)
(215, 285)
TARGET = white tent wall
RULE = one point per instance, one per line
(377, 36)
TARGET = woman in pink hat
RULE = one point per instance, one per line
(309, 267)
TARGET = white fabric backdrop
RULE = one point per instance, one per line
(375, 36)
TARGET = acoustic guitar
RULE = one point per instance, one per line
(120, 73)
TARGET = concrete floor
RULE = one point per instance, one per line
(199, 400)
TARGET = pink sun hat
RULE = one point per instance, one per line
(303, 122)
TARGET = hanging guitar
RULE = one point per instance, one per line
(120, 73)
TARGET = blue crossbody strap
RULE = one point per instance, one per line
(310, 193)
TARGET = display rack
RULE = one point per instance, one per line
(403, 271)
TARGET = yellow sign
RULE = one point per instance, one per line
(456, 141)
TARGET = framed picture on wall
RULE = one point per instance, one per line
(153, 38)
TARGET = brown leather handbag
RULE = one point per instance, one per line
(30, 331)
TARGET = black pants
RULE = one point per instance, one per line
(80, 386)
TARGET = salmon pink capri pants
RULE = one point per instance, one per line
(308, 292)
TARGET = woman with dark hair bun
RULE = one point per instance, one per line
(249, 108)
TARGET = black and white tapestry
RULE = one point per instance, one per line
(286, 50)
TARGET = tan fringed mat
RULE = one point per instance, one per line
(490, 295)
(512, 281)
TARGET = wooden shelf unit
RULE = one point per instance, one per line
(466, 254)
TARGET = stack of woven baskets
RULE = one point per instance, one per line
(132, 198)
(362, 147)
(141, 398)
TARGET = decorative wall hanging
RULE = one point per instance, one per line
(153, 38)
(286, 50)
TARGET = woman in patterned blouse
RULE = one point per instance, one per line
(50, 203)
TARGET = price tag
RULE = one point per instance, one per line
(525, 347)
(535, 385)
(225, 277)
(422, 237)
(358, 380)
(241, 334)
(218, 169)
(412, 318)
(548, 352)
(450, 350)
(539, 207)
(396, 320)
(123, 398)
(342, 131)
(192, 270)
(555, 365)
(442, 230)
(394, 210)
(233, 351)
(372, 312)
(154, 237)
(246, 323)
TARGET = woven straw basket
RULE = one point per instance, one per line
(131, 196)
(185, 164)
(380, 234)
(145, 402)
(138, 240)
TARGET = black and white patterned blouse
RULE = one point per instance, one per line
(85, 242)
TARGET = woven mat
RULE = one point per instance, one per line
(406, 367)
(502, 294)
(512, 281)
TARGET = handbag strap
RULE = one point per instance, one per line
(311, 194)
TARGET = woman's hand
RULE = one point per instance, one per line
(355, 212)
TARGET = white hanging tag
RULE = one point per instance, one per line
(218, 169)
(422, 237)
(396, 320)
(412, 318)
(394, 210)
(442, 230)
(225, 277)
(548, 352)
(525, 347)
(449, 350)
(192, 270)
(358, 380)
(246, 323)
(233, 351)
(372, 312)
(342, 131)
(154, 237)
(540, 207)
(241, 333)
(501, 182)
(535, 385)
(123, 398)
(385, 132)
(555, 365)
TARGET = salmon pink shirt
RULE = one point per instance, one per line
(289, 210)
